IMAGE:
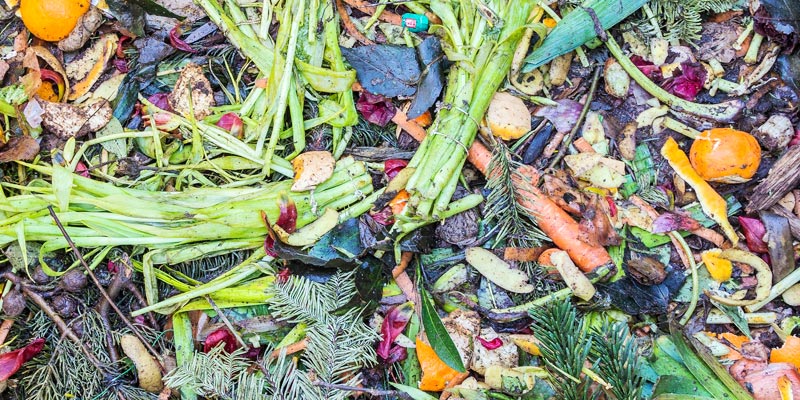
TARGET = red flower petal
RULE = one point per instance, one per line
(11, 362)
(393, 167)
(670, 221)
(687, 82)
(754, 231)
(232, 123)
(176, 41)
(288, 217)
(375, 108)
(612, 206)
(490, 344)
(221, 335)
(161, 101)
(384, 217)
(393, 324)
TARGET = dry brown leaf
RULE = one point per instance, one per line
(68, 120)
(19, 148)
(312, 168)
(84, 30)
(192, 92)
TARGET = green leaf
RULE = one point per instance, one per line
(706, 369)
(153, 8)
(440, 340)
(62, 186)
(415, 393)
(578, 27)
(117, 147)
(673, 384)
(736, 314)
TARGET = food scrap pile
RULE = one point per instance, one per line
(430, 199)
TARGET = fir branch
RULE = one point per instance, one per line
(682, 19)
(618, 360)
(565, 346)
(502, 208)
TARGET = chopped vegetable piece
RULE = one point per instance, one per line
(788, 353)
(498, 271)
(713, 204)
(435, 373)
(719, 268)
(725, 155)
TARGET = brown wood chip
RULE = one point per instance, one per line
(783, 177)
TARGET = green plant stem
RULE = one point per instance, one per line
(684, 247)
(722, 112)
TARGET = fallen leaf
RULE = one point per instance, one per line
(69, 120)
(11, 362)
(312, 168)
(192, 92)
(387, 70)
(432, 83)
(19, 148)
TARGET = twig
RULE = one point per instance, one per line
(349, 26)
(136, 293)
(116, 285)
(568, 139)
(372, 392)
(103, 291)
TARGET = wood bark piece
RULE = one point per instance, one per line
(794, 221)
(783, 177)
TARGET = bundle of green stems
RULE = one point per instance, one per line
(296, 65)
(169, 227)
(481, 42)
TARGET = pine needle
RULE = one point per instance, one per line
(618, 359)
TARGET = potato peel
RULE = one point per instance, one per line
(312, 168)
(498, 271)
(147, 368)
(763, 275)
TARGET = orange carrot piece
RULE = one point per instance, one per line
(290, 349)
(557, 224)
(522, 253)
(405, 259)
(453, 383)
(583, 146)
(544, 258)
(349, 26)
(369, 9)
(552, 220)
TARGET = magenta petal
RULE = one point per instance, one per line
(490, 344)
(11, 362)
(393, 324)
(176, 41)
(687, 83)
(375, 108)
(221, 335)
(393, 167)
(670, 221)
(754, 232)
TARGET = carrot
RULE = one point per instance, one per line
(552, 220)
(583, 146)
(369, 9)
(712, 203)
(5, 328)
(544, 258)
(522, 253)
(290, 349)
(453, 383)
(557, 224)
(405, 259)
(349, 26)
